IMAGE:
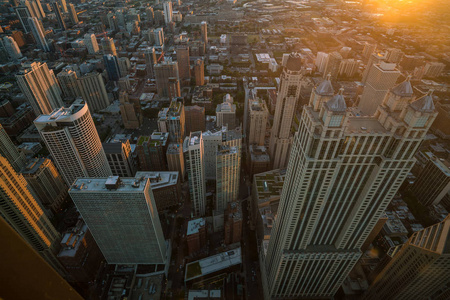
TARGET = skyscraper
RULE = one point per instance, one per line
(175, 159)
(164, 71)
(168, 12)
(63, 5)
(9, 151)
(40, 87)
(287, 98)
(57, 11)
(184, 66)
(130, 117)
(195, 168)
(120, 157)
(24, 14)
(151, 151)
(150, 61)
(369, 49)
(172, 120)
(23, 213)
(73, 142)
(68, 81)
(199, 71)
(259, 115)
(226, 112)
(11, 47)
(380, 79)
(419, 268)
(194, 119)
(91, 43)
(332, 64)
(45, 180)
(433, 182)
(112, 67)
(204, 32)
(38, 32)
(159, 37)
(343, 171)
(93, 91)
(73, 14)
(228, 168)
(122, 216)
(108, 46)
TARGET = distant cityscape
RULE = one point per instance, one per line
(225, 149)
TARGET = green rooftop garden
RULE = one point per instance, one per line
(193, 270)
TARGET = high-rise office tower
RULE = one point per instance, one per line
(112, 67)
(22, 212)
(38, 32)
(164, 71)
(195, 168)
(348, 67)
(226, 112)
(91, 43)
(63, 5)
(287, 98)
(73, 142)
(433, 182)
(380, 79)
(122, 216)
(120, 158)
(204, 32)
(374, 59)
(24, 14)
(369, 49)
(194, 119)
(228, 169)
(150, 14)
(9, 151)
(45, 180)
(159, 37)
(73, 14)
(130, 117)
(151, 151)
(39, 8)
(434, 69)
(343, 171)
(259, 115)
(419, 268)
(11, 47)
(199, 72)
(159, 17)
(108, 46)
(320, 61)
(150, 60)
(93, 91)
(394, 55)
(172, 120)
(112, 22)
(332, 64)
(184, 66)
(175, 159)
(40, 87)
(68, 80)
(168, 13)
(124, 65)
(212, 139)
(59, 17)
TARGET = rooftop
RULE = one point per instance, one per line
(113, 184)
(159, 179)
(213, 264)
(72, 239)
(195, 225)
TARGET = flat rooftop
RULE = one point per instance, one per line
(113, 184)
(159, 179)
(61, 114)
(213, 264)
(195, 225)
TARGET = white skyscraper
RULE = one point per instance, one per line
(39, 33)
(11, 47)
(168, 13)
(40, 87)
(285, 110)
(91, 43)
(228, 168)
(343, 171)
(122, 216)
(380, 79)
(73, 142)
(195, 168)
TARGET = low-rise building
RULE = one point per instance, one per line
(196, 235)
(259, 159)
(233, 223)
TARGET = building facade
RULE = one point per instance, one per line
(228, 169)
